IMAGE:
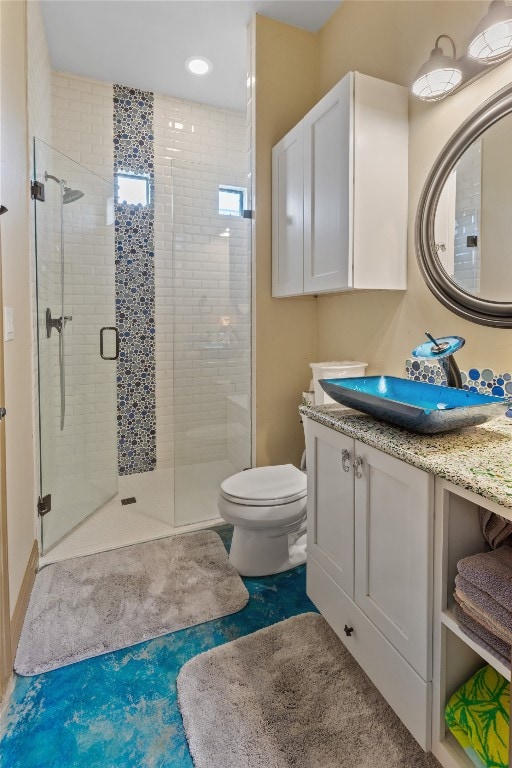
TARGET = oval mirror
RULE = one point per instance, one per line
(464, 220)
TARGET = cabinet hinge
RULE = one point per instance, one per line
(37, 191)
(44, 504)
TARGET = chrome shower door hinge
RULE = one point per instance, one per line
(44, 505)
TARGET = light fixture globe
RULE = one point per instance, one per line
(492, 39)
(439, 76)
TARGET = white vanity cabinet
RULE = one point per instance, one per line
(339, 192)
(384, 541)
(369, 572)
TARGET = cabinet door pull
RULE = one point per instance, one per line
(345, 459)
(358, 463)
(348, 630)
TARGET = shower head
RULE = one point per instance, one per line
(70, 195)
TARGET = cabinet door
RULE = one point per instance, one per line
(287, 214)
(331, 503)
(393, 543)
(328, 190)
(381, 163)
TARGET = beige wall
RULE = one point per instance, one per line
(286, 88)
(391, 40)
(16, 293)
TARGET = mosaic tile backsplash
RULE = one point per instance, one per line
(482, 380)
(135, 284)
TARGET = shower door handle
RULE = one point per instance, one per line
(102, 331)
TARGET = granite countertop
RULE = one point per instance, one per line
(476, 458)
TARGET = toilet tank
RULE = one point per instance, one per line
(338, 369)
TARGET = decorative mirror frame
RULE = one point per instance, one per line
(472, 308)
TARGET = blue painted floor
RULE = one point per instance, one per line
(120, 710)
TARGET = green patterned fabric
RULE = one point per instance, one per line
(478, 716)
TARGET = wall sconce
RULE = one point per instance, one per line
(439, 75)
(490, 45)
(492, 39)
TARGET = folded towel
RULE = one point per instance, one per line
(486, 624)
(491, 572)
(496, 530)
(478, 716)
(484, 609)
(477, 632)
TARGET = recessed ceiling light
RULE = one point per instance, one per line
(198, 65)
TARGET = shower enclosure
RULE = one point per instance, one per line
(77, 373)
(202, 386)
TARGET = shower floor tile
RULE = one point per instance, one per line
(120, 709)
(168, 502)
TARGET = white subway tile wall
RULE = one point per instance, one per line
(467, 219)
(203, 342)
(82, 121)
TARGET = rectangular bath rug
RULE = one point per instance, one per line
(290, 695)
(92, 605)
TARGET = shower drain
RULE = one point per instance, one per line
(129, 500)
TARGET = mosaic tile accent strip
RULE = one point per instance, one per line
(475, 458)
(135, 284)
(485, 381)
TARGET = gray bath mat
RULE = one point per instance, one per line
(290, 695)
(99, 603)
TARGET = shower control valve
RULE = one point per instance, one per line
(51, 323)
(55, 322)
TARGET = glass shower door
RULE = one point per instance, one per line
(211, 335)
(77, 341)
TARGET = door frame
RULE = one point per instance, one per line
(5, 615)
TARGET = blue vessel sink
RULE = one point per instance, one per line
(415, 405)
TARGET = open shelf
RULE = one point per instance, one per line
(456, 656)
(449, 621)
(451, 754)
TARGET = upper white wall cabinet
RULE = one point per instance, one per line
(339, 192)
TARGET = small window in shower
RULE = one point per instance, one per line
(231, 201)
(131, 189)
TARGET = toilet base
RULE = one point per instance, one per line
(298, 550)
(254, 554)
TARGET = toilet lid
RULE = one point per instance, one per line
(265, 486)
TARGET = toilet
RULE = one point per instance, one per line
(267, 505)
(267, 508)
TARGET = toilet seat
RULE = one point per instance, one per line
(265, 487)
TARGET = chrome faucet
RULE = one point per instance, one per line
(443, 350)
